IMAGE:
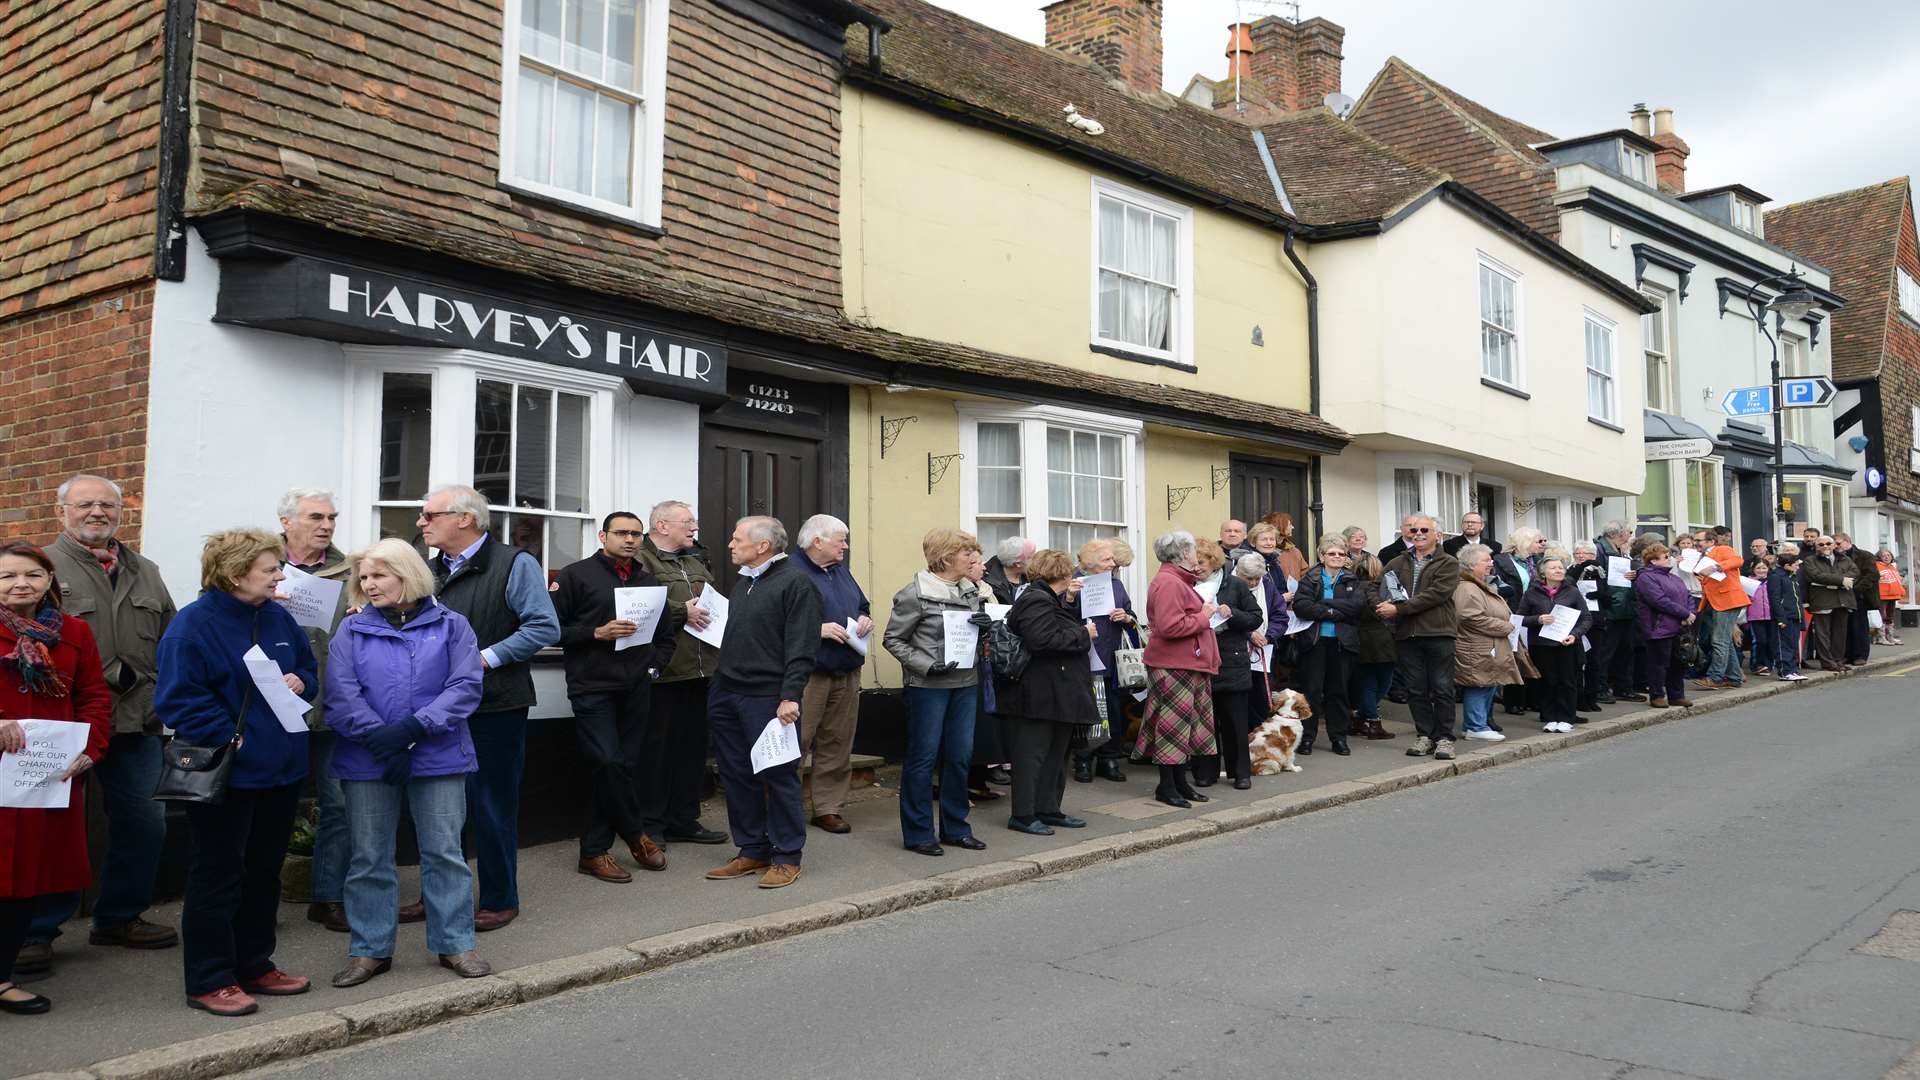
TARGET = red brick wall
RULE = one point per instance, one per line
(1900, 375)
(398, 104)
(73, 398)
(80, 109)
(1122, 36)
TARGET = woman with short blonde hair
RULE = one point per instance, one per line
(943, 546)
(402, 561)
(229, 556)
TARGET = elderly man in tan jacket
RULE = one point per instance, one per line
(120, 596)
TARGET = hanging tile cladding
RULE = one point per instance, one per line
(79, 123)
(73, 398)
(398, 102)
(1856, 234)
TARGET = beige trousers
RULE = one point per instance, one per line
(829, 711)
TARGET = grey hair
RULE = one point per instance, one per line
(462, 499)
(1173, 546)
(1011, 549)
(1350, 531)
(1553, 555)
(1421, 515)
(1614, 528)
(1470, 555)
(61, 493)
(768, 529)
(820, 527)
(1252, 566)
(290, 502)
(659, 508)
(1587, 546)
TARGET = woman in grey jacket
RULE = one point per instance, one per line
(941, 693)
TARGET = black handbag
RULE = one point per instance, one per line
(1006, 652)
(195, 774)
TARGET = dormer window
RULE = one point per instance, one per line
(1743, 215)
(1634, 164)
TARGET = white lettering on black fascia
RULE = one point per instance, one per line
(679, 361)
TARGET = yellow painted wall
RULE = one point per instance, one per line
(954, 233)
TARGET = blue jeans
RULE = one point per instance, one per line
(438, 806)
(939, 729)
(493, 804)
(331, 847)
(136, 834)
(764, 809)
(1374, 680)
(1724, 664)
(1476, 702)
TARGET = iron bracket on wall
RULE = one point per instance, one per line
(890, 429)
(1222, 477)
(937, 466)
(1177, 497)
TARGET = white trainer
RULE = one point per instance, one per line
(1488, 735)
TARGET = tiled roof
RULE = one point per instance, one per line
(949, 61)
(1487, 152)
(1856, 236)
(1336, 174)
(613, 276)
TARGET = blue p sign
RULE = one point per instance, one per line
(1798, 391)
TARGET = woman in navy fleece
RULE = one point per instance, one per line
(206, 696)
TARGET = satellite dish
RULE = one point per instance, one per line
(1340, 103)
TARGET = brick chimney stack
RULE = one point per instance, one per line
(1120, 36)
(1296, 65)
(1670, 161)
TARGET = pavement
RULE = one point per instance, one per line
(1701, 899)
(118, 1013)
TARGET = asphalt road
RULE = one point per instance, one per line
(1684, 901)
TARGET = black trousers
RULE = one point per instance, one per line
(16, 915)
(677, 776)
(1324, 674)
(1596, 675)
(1039, 751)
(233, 885)
(1666, 675)
(1558, 689)
(1859, 635)
(1426, 670)
(1230, 731)
(617, 737)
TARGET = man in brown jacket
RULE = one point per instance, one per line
(1415, 596)
(120, 596)
(676, 778)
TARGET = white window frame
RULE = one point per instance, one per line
(1802, 426)
(1595, 320)
(1913, 438)
(1565, 531)
(1716, 512)
(1182, 353)
(1636, 164)
(648, 140)
(1743, 215)
(1665, 396)
(1488, 263)
(1909, 293)
(456, 374)
(1034, 509)
(1430, 466)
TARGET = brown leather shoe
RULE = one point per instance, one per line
(136, 934)
(360, 969)
(484, 920)
(331, 916)
(834, 823)
(603, 867)
(414, 912)
(1681, 703)
(467, 965)
(649, 855)
(1375, 731)
(738, 867)
(780, 876)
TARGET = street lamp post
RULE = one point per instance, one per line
(1793, 303)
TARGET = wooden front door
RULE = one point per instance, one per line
(745, 473)
(1261, 487)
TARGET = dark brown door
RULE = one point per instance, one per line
(745, 473)
(1261, 487)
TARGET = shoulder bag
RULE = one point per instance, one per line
(1130, 664)
(199, 774)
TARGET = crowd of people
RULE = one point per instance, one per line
(416, 688)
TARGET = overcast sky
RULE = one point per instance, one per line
(1790, 98)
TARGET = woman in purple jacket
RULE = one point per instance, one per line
(1665, 609)
(403, 676)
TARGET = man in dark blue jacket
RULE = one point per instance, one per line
(830, 708)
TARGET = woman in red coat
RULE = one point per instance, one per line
(49, 670)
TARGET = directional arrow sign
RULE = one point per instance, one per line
(1810, 392)
(1749, 401)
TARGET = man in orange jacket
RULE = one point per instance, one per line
(1722, 599)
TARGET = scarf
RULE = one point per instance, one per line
(109, 556)
(31, 658)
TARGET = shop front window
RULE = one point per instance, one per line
(1703, 493)
(406, 452)
(1655, 505)
(530, 453)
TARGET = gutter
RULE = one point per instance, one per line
(175, 141)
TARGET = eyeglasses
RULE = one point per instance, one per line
(1419, 532)
(626, 534)
(93, 504)
(429, 515)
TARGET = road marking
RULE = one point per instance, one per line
(1897, 672)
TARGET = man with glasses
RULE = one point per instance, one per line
(119, 595)
(1830, 581)
(1415, 595)
(610, 688)
(1473, 530)
(503, 593)
(672, 553)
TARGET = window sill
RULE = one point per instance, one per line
(1139, 357)
(521, 194)
(1608, 424)
(1505, 389)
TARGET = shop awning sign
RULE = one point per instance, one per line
(1678, 449)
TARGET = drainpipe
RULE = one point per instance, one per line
(1314, 503)
(175, 148)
